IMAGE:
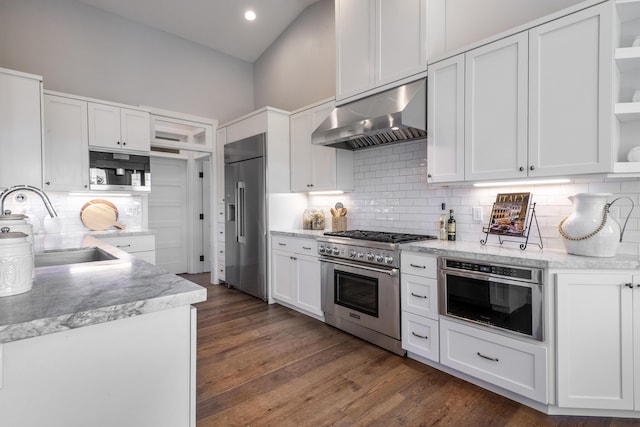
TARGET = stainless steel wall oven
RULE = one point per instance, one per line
(509, 298)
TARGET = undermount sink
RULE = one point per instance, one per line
(71, 256)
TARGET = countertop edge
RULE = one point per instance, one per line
(65, 322)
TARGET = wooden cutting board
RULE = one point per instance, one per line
(99, 215)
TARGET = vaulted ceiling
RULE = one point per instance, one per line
(217, 24)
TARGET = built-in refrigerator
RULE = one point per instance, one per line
(245, 215)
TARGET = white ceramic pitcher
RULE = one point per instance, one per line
(590, 230)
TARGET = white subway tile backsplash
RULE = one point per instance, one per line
(391, 194)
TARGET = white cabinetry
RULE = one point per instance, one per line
(514, 365)
(66, 153)
(295, 270)
(114, 127)
(526, 110)
(496, 109)
(419, 303)
(445, 120)
(314, 167)
(627, 61)
(143, 247)
(20, 129)
(598, 336)
(378, 42)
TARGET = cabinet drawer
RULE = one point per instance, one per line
(419, 295)
(132, 243)
(293, 244)
(421, 265)
(420, 336)
(508, 363)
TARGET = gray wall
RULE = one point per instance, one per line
(299, 68)
(84, 51)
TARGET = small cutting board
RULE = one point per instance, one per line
(99, 215)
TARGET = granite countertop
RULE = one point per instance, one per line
(509, 253)
(532, 256)
(299, 233)
(76, 295)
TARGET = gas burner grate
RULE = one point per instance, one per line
(380, 236)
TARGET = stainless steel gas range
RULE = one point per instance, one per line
(361, 283)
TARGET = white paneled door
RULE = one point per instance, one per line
(168, 212)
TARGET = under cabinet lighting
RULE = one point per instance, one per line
(250, 15)
(526, 182)
(325, 193)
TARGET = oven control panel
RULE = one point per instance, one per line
(359, 253)
(493, 269)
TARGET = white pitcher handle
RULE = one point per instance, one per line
(608, 205)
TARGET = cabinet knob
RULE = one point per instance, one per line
(521, 169)
(124, 143)
(532, 168)
(48, 183)
(428, 175)
(85, 186)
(118, 142)
(629, 285)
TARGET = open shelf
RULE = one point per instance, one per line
(627, 58)
(627, 111)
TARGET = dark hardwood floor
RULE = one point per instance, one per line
(267, 365)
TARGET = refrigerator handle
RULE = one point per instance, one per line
(240, 213)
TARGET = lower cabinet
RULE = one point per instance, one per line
(597, 332)
(143, 247)
(419, 303)
(295, 274)
(512, 364)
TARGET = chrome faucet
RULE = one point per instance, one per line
(39, 192)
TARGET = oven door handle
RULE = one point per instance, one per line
(392, 272)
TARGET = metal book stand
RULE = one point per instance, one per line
(521, 237)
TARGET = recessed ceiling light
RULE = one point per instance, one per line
(250, 15)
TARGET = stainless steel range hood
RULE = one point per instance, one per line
(395, 115)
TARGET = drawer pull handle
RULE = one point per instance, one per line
(418, 266)
(123, 246)
(306, 248)
(419, 296)
(493, 359)
(420, 336)
(282, 244)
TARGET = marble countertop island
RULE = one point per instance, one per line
(71, 296)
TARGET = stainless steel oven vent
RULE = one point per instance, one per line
(393, 116)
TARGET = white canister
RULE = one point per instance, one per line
(17, 222)
(16, 263)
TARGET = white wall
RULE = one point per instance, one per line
(299, 68)
(82, 50)
(391, 194)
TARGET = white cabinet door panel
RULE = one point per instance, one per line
(496, 109)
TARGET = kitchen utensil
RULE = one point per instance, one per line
(339, 205)
(343, 211)
(16, 263)
(334, 212)
(100, 214)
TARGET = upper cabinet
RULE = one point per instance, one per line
(536, 104)
(117, 128)
(66, 153)
(314, 167)
(20, 129)
(378, 42)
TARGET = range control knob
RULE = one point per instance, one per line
(379, 258)
(388, 260)
(336, 251)
(321, 249)
(352, 253)
(370, 256)
(360, 255)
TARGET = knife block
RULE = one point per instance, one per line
(339, 223)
